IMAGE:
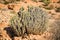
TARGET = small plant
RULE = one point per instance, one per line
(46, 2)
(34, 20)
(8, 1)
(37, 0)
(49, 8)
(57, 9)
(55, 29)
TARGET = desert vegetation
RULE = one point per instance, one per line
(9, 1)
(33, 20)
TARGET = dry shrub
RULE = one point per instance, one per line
(31, 21)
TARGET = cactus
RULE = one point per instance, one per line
(31, 21)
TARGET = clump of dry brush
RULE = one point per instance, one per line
(54, 28)
(31, 21)
(9, 1)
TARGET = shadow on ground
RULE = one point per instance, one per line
(10, 32)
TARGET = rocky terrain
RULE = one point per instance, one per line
(8, 10)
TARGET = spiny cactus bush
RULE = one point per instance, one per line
(31, 21)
